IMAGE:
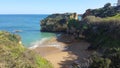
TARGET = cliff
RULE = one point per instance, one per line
(14, 55)
(101, 28)
(104, 36)
(57, 22)
(106, 11)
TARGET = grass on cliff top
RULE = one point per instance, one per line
(93, 19)
(116, 17)
(14, 55)
(103, 32)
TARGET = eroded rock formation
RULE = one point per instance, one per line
(57, 22)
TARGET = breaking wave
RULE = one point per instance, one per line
(39, 43)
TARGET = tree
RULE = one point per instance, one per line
(107, 5)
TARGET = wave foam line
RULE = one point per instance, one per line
(38, 43)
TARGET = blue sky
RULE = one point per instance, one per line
(49, 6)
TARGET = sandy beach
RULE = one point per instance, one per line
(66, 52)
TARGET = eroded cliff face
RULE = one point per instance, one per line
(57, 22)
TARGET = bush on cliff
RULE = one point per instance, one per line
(110, 59)
(114, 55)
(103, 32)
(99, 62)
(104, 35)
(14, 55)
(75, 28)
(106, 11)
(73, 23)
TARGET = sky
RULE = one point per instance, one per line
(49, 6)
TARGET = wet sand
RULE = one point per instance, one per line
(66, 52)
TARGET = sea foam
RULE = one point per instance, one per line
(39, 43)
(46, 42)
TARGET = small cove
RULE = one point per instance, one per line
(27, 26)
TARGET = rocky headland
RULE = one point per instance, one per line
(57, 22)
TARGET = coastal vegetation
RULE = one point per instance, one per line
(101, 28)
(106, 11)
(14, 55)
(104, 36)
(103, 32)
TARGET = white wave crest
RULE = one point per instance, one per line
(38, 43)
(45, 42)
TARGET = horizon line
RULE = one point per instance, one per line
(36, 13)
(21, 14)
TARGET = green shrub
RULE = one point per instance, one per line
(114, 55)
(99, 62)
(73, 23)
(103, 32)
(106, 11)
(14, 55)
(110, 59)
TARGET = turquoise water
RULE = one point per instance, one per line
(27, 25)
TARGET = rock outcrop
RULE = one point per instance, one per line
(57, 22)
(106, 11)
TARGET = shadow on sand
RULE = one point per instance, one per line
(78, 53)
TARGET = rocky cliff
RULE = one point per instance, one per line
(106, 11)
(57, 22)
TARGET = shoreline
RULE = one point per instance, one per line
(46, 42)
(67, 52)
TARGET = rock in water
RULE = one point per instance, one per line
(57, 22)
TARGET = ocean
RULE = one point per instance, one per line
(27, 26)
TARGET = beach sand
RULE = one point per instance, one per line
(67, 51)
